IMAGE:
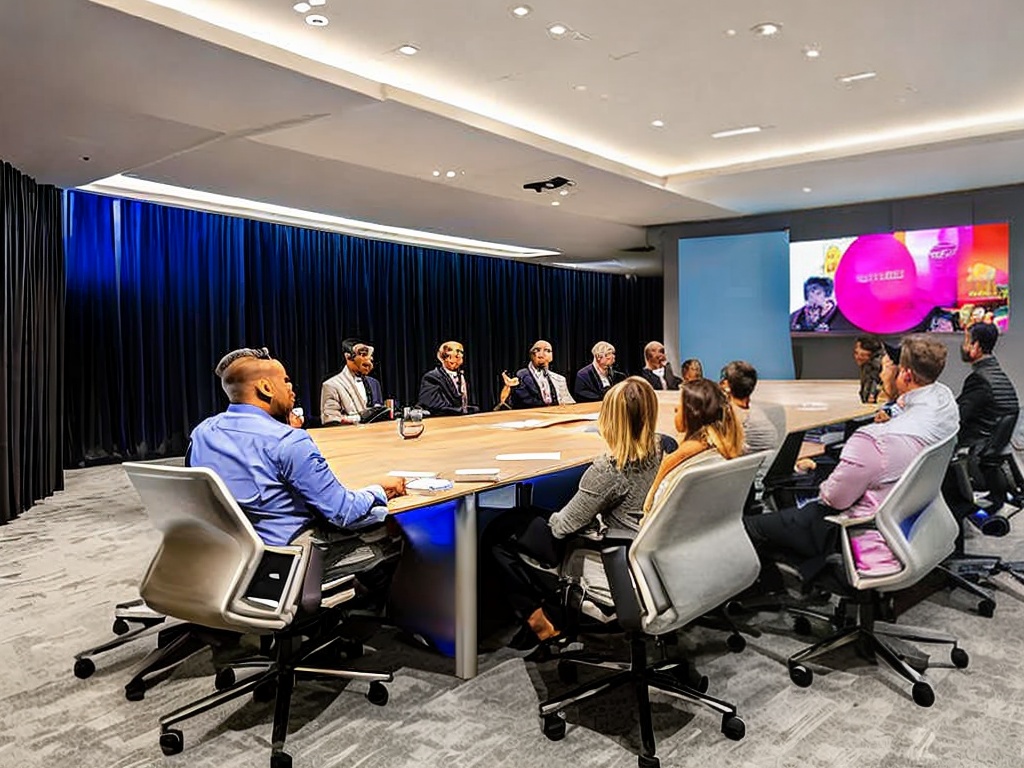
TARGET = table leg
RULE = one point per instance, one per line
(465, 587)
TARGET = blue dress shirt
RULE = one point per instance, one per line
(278, 476)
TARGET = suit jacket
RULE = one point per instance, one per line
(527, 394)
(987, 395)
(671, 380)
(336, 402)
(440, 396)
(588, 387)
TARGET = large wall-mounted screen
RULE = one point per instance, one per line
(937, 280)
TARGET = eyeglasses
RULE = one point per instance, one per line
(456, 352)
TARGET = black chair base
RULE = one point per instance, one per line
(968, 573)
(671, 676)
(274, 680)
(877, 640)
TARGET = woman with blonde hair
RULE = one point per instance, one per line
(708, 425)
(610, 495)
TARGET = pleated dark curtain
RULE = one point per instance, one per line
(156, 295)
(31, 342)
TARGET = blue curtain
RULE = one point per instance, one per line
(156, 295)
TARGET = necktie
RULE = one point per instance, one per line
(547, 392)
(462, 393)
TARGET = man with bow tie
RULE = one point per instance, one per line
(444, 390)
(658, 370)
(538, 384)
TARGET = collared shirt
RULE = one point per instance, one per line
(660, 373)
(605, 382)
(878, 454)
(543, 383)
(278, 476)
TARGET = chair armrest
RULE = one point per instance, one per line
(616, 567)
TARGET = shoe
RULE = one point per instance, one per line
(547, 649)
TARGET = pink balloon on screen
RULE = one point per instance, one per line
(877, 287)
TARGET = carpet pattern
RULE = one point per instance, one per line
(66, 562)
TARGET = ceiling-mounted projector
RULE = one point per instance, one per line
(549, 184)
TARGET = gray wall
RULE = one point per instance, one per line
(830, 357)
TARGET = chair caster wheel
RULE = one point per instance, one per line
(801, 675)
(553, 726)
(736, 643)
(377, 694)
(959, 658)
(733, 727)
(567, 672)
(171, 742)
(224, 679)
(923, 694)
(647, 761)
(265, 692)
(120, 627)
(802, 625)
(135, 690)
(280, 760)
(987, 608)
(84, 668)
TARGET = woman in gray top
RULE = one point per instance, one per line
(610, 496)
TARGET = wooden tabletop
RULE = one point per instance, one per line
(363, 454)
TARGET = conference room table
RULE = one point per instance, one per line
(546, 449)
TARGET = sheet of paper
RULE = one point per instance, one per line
(553, 455)
(410, 473)
(524, 424)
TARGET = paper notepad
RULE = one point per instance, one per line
(482, 475)
(428, 485)
(555, 455)
(524, 424)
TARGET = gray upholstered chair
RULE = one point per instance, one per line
(213, 570)
(690, 556)
(919, 531)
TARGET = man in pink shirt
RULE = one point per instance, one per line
(871, 462)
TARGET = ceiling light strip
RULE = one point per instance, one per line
(183, 197)
(736, 132)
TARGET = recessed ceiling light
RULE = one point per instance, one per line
(555, 202)
(557, 30)
(807, 189)
(317, 3)
(856, 77)
(730, 33)
(408, 50)
(658, 123)
(736, 132)
(581, 88)
(564, 192)
(436, 173)
(316, 20)
(450, 174)
(301, 7)
(812, 52)
(766, 29)
(521, 10)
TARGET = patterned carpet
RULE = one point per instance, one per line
(66, 562)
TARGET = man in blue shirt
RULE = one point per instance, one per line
(275, 471)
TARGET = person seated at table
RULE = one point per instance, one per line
(867, 354)
(658, 370)
(444, 390)
(538, 384)
(872, 460)
(278, 475)
(595, 379)
(691, 369)
(709, 427)
(738, 381)
(610, 496)
(346, 397)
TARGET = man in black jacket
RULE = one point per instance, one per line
(593, 380)
(987, 393)
(444, 390)
(658, 370)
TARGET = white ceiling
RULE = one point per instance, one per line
(243, 98)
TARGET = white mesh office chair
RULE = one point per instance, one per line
(690, 556)
(213, 570)
(919, 530)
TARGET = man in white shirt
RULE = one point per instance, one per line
(348, 394)
(538, 384)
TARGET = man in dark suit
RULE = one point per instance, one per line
(593, 380)
(658, 370)
(444, 391)
(987, 394)
(538, 384)
(348, 395)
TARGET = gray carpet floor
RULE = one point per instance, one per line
(68, 560)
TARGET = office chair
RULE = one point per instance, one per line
(987, 468)
(213, 570)
(690, 556)
(915, 531)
